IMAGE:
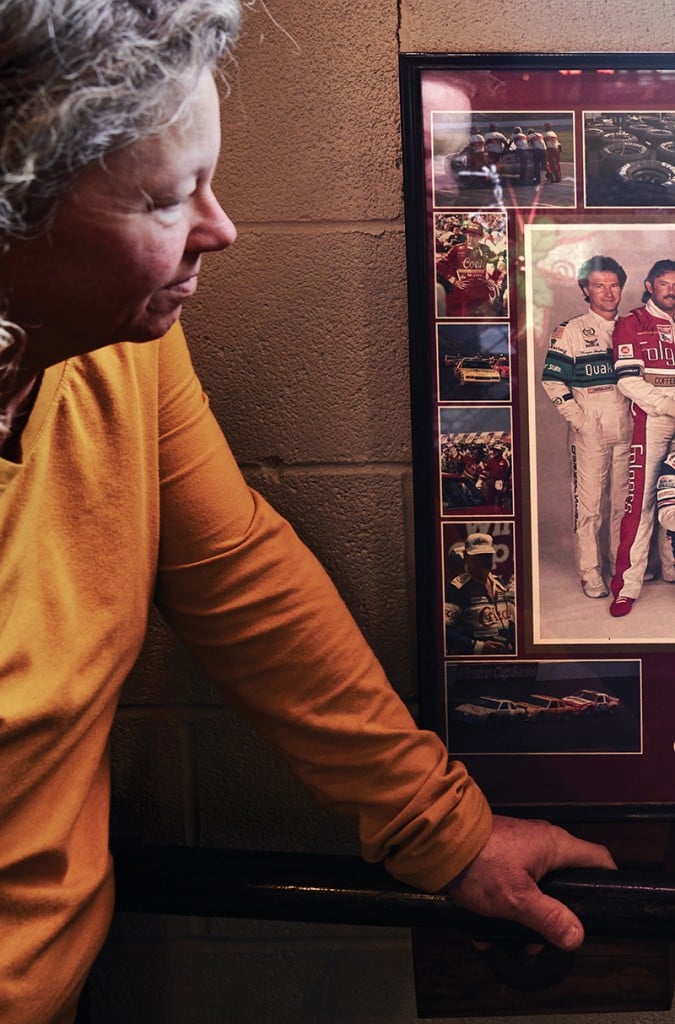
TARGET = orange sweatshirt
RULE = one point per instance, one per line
(127, 493)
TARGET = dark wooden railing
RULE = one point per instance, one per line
(340, 889)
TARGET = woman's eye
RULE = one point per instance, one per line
(166, 203)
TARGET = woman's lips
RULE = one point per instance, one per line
(184, 288)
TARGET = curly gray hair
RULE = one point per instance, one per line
(79, 78)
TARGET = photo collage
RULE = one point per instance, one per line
(544, 206)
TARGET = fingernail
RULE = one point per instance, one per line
(573, 936)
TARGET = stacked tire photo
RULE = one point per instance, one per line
(630, 159)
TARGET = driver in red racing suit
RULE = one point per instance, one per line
(495, 474)
(470, 275)
(644, 350)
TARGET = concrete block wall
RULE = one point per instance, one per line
(299, 334)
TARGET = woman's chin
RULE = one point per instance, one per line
(153, 324)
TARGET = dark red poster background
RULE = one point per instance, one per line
(560, 782)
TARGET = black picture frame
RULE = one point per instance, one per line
(617, 762)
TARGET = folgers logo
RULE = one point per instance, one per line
(636, 465)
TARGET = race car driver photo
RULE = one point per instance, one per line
(601, 396)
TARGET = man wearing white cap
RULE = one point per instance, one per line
(479, 608)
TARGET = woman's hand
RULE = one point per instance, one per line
(501, 881)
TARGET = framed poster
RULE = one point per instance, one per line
(540, 222)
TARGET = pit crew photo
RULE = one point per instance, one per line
(600, 301)
(510, 159)
(475, 461)
(474, 362)
(629, 158)
(544, 707)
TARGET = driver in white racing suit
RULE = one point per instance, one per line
(580, 380)
(665, 497)
(644, 349)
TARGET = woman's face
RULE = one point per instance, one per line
(123, 252)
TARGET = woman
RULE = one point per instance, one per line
(117, 489)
